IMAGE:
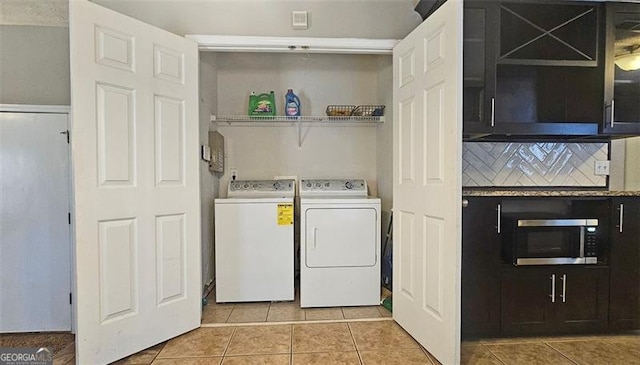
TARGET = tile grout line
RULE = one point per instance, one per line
(355, 344)
(291, 346)
(560, 352)
(492, 354)
(266, 316)
(233, 306)
(427, 354)
(233, 324)
(226, 348)
(158, 353)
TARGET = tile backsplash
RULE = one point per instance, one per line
(507, 164)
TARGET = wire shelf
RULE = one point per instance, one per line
(268, 121)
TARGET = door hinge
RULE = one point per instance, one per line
(67, 133)
(69, 217)
(70, 298)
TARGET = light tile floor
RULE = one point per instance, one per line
(622, 349)
(283, 333)
(371, 342)
(379, 341)
(282, 312)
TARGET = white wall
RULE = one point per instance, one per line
(326, 151)
(384, 142)
(318, 80)
(617, 171)
(208, 179)
(632, 167)
(34, 65)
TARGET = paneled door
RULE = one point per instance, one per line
(35, 234)
(427, 136)
(134, 145)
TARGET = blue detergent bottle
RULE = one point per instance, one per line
(291, 104)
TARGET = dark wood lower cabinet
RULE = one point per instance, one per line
(480, 306)
(503, 300)
(554, 299)
(583, 300)
(624, 259)
(527, 306)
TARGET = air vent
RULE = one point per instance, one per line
(299, 20)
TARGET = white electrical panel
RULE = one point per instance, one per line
(216, 143)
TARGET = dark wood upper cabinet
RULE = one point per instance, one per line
(479, 64)
(622, 90)
(562, 34)
(533, 69)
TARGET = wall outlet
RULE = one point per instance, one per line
(601, 167)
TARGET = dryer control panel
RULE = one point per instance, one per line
(261, 188)
(333, 187)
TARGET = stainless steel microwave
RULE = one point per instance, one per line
(553, 241)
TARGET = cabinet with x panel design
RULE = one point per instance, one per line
(551, 34)
(544, 71)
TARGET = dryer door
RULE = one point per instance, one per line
(338, 237)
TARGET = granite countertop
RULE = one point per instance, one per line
(534, 193)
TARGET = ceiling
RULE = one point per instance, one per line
(327, 18)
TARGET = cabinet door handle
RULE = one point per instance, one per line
(564, 288)
(493, 112)
(613, 112)
(621, 209)
(499, 217)
(553, 288)
(465, 203)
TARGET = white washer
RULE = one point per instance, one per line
(254, 241)
(339, 244)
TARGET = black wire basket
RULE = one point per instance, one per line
(368, 111)
(340, 110)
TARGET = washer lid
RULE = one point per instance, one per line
(333, 187)
(261, 188)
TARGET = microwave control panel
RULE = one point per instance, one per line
(590, 242)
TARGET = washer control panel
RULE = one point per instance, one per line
(261, 188)
(322, 187)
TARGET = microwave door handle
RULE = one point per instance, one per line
(582, 232)
(564, 288)
(499, 209)
(621, 209)
(553, 288)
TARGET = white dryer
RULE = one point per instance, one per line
(254, 241)
(339, 244)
